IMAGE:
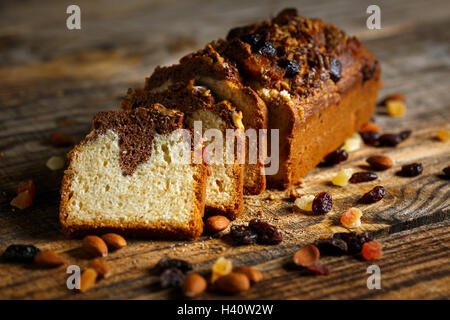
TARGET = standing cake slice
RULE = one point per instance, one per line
(127, 176)
(224, 190)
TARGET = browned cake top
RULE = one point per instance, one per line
(136, 129)
(290, 53)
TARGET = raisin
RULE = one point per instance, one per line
(372, 250)
(390, 139)
(370, 137)
(358, 177)
(318, 270)
(322, 203)
(335, 157)
(405, 134)
(292, 68)
(20, 253)
(332, 247)
(243, 235)
(374, 195)
(267, 233)
(165, 264)
(335, 69)
(265, 48)
(353, 240)
(446, 171)
(252, 39)
(171, 277)
(411, 170)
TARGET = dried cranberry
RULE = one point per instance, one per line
(165, 264)
(411, 170)
(322, 203)
(318, 270)
(252, 39)
(335, 157)
(292, 68)
(265, 48)
(353, 240)
(267, 233)
(370, 137)
(172, 277)
(242, 235)
(20, 253)
(390, 139)
(374, 195)
(332, 247)
(365, 176)
(335, 69)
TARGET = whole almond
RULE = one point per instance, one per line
(87, 279)
(380, 162)
(114, 241)
(194, 285)
(233, 283)
(394, 96)
(95, 246)
(48, 259)
(307, 256)
(253, 274)
(101, 266)
(216, 223)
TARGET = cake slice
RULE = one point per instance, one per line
(211, 70)
(224, 190)
(126, 176)
(319, 84)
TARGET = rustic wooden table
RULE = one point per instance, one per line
(53, 79)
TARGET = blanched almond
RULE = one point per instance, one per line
(233, 283)
(101, 266)
(48, 259)
(114, 241)
(253, 274)
(194, 285)
(95, 246)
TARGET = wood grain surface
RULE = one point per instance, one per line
(53, 79)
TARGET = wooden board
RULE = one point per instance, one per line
(52, 79)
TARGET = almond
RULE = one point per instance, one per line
(48, 259)
(101, 266)
(114, 241)
(194, 285)
(95, 246)
(87, 279)
(380, 162)
(394, 96)
(307, 256)
(233, 283)
(216, 223)
(253, 274)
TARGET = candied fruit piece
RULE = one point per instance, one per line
(443, 134)
(351, 218)
(27, 186)
(55, 163)
(372, 250)
(370, 126)
(221, 267)
(304, 203)
(353, 143)
(23, 200)
(395, 108)
(342, 177)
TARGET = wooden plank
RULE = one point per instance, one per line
(53, 79)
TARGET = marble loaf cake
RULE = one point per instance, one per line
(304, 77)
(124, 177)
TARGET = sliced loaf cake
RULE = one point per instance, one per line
(224, 190)
(210, 69)
(126, 176)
